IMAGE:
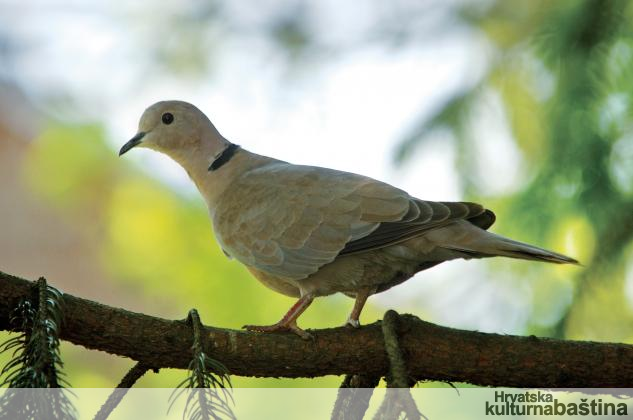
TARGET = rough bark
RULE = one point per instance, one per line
(431, 352)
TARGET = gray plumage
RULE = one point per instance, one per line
(307, 231)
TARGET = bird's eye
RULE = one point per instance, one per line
(167, 118)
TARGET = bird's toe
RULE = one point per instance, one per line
(354, 323)
(280, 327)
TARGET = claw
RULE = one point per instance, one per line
(354, 323)
(289, 321)
(266, 328)
(280, 327)
(301, 333)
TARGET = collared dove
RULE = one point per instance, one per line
(306, 231)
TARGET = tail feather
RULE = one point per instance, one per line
(479, 243)
(514, 249)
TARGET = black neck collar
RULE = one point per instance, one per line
(226, 155)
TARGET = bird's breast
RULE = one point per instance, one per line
(275, 283)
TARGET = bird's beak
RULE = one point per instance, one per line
(134, 141)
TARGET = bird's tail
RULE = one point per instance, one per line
(515, 249)
(482, 244)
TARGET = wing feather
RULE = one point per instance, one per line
(290, 220)
(432, 215)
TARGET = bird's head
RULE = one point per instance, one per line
(174, 128)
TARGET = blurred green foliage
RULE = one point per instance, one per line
(564, 73)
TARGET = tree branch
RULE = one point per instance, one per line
(431, 352)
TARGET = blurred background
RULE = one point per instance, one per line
(525, 106)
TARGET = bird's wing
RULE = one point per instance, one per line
(290, 220)
(432, 214)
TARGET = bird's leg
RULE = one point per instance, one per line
(289, 321)
(361, 298)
